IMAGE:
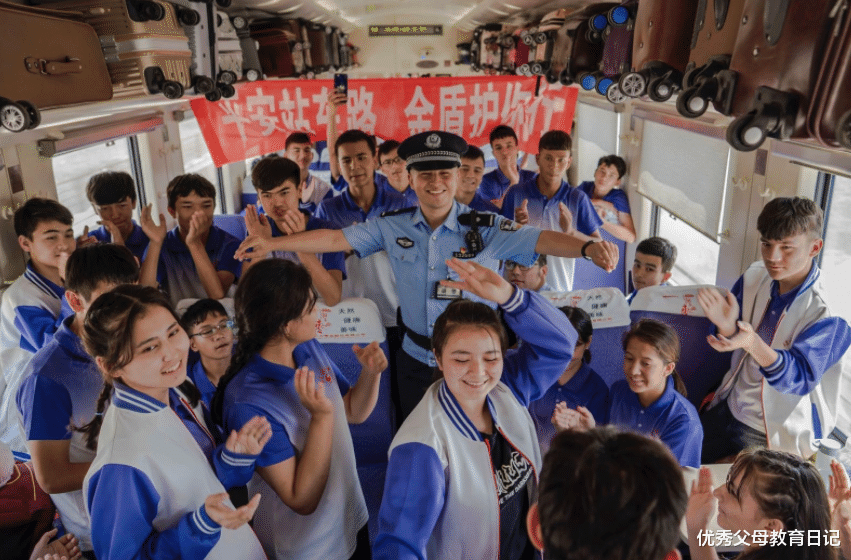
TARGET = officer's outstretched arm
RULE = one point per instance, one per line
(314, 241)
(603, 253)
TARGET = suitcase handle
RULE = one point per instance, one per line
(53, 67)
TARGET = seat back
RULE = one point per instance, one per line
(610, 317)
(701, 367)
(234, 224)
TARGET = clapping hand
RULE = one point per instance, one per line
(251, 438)
(229, 518)
(702, 505)
(722, 310)
(371, 357)
(65, 547)
(257, 224)
(155, 232)
(521, 213)
(565, 418)
(311, 393)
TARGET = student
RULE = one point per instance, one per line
(784, 379)
(62, 383)
(312, 504)
(210, 333)
(503, 141)
(608, 495)
(31, 305)
(651, 400)
(548, 202)
(418, 242)
(276, 180)
(610, 202)
(769, 491)
(654, 260)
(299, 148)
(156, 488)
(579, 385)
(529, 277)
(470, 177)
(393, 168)
(470, 440)
(195, 259)
(113, 196)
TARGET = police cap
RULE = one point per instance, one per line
(433, 149)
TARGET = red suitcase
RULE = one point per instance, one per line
(276, 48)
(773, 72)
(713, 39)
(617, 52)
(660, 48)
(520, 55)
(48, 60)
(829, 117)
(318, 47)
(578, 47)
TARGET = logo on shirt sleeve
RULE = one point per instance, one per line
(404, 242)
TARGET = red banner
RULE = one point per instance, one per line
(259, 117)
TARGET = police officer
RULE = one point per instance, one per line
(419, 241)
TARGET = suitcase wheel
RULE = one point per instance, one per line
(252, 74)
(618, 16)
(691, 105)
(633, 84)
(33, 112)
(746, 133)
(537, 68)
(598, 23)
(14, 117)
(540, 38)
(227, 90)
(213, 95)
(527, 39)
(151, 11)
(239, 22)
(508, 42)
(689, 75)
(593, 36)
(227, 77)
(551, 77)
(565, 78)
(172, 89)
(587, 80)
(203, 85)
(188, 17)
(660, 89)
(603, 85)
(614, 94)
(843, 130)
(524, 70)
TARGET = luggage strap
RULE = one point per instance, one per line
(53, 67)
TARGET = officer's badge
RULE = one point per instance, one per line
(404, 242)
(433, 142)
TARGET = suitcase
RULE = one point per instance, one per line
(715, 26)
(320, 60)
(617, 51)
(521, 51)
(49, 60)
(544, 36)
(144, 45)
(228, 53)
(578, 47)
(660, 48)
(332, 43)
(280, 52)
(198, 18)
(829, 116)
(251, 68)
(774, 69)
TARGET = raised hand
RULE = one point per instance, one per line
(311, 393)
(371, 357)
(513, 174)
(227, 517)
(114, 233)
(742, 339)
(294, 222)
(722, 310)
(521, 213)
(65, 547)
(251, 438)
(479, 281)
(702, 504)
(253, 247)
(256, 223)
(604, 254)
(565, 218)
(155, 232)
(199, 224)
(565, 418)
(335, 100)
(839, 495)
(86, 239)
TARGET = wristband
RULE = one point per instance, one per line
(582, 251)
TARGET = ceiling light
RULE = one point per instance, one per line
(497, 11)
(326, 5)
(512, 7)
(292, 9)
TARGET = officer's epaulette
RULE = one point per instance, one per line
(478, 219)
(409, 210)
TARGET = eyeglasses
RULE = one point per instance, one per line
(511, 265)
(389, 162)
(209, 332)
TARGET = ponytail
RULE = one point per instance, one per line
(245, 349)
(92, 429)
(678, 383)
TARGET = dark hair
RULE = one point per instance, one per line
(90, 266)
(108, 334)
(501, 131)
(474, 153)
(297, 138)
(465, 313)
(609, 495)
(555, 140)
(271, 172)
(199, 311)
(663, 339)
(540, 261)
(659, 247)
(617, 161)
(785, 217)
(386, 147)
(271, 294)
(184, 185)
(37, 210)
(110, 187)
(354, 136)
(785, 487)
(581, 321)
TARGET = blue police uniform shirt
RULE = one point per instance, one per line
(341, 211)
(418, 257)
(616, 197)
(331, 261)
(176, 271)
(671, 419)
(137, 242)
(202, 382)
(479, 204)
(586, 388)
(495, 184)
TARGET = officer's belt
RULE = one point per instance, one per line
(423, 342)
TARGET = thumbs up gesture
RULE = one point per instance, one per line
(521, 214)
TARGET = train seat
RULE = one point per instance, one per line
(234, 224)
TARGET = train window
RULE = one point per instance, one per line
(597, 133)
(71, 171)
(697, 255)
(836, 254)
(197, 158)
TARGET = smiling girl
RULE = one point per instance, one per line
(651, 400)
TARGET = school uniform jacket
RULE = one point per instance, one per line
(440, 496)
(808, 373)
(146, 488)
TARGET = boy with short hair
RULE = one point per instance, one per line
(548, 202)
(210, 333)
(503, 141)
(611, 203)
(654, 260)
(62, 385)
(528, 277)
(583, 513)
(31, 305)
(113, 196)
(469, 178)
(783, 385)
(299, 148)
(393, 168)
(276, 180)
(194, 259)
